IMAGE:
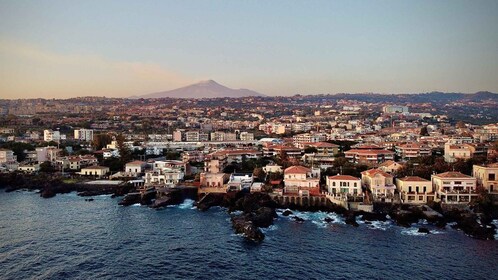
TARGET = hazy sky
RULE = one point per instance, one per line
(121, 48)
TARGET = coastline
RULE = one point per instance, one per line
(251, 212)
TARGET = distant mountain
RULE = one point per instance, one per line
(204, 89)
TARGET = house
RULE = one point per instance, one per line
(454, 187)
(239, 181)
(135, 167)
(94, 170)
(390, 166)
(213, 182)
(28, 168)
(456, 149)
(414, 189)
(380, 184)
(300, 180)
(272, 168)
(343, 185)
(168, 177)
(487, 177)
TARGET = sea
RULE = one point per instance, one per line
(66, 237)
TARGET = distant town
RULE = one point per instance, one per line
(436, 152)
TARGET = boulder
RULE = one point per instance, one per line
(297, 219)
(245, 227)
(263, 217)
(287, 213)
(424, 230)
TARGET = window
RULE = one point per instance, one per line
(491, 177)
(333, 184)
(425, 189)
(409, 189)
(420, 198)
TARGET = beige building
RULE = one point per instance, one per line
(7, 156)
(94, 171)
(343, 185)
(414, 189)
(135, 167)
(380, 183)
(487, 177)
(390, 166)
(273, 168)
(300, 180)
(454, 187)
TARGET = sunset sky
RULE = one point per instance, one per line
(121, 48)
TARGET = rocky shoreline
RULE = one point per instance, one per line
(252, 211)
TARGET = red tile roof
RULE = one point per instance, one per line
(453, 174)
(297, 170)
(413, 179)
(373, 172)
(344, 178)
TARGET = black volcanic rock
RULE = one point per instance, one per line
(245, 227)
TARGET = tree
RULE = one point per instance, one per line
(124, 152)
(424, 131)
(47, 167)
(100, 141)
(310, 150)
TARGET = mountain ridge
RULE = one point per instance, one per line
(202, 89)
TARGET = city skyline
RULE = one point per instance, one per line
(62, 49)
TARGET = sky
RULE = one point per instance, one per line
(69, 48)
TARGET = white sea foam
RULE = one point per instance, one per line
(413, 232)
(136, 204)
(379, 225)
(270, 228)
(317, 218)
(187, 204)
(495, 222)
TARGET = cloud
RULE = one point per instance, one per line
(29, 71)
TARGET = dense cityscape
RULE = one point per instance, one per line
(356, 153)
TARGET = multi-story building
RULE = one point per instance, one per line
(454, 187)
(51, 135)
(83, 134)
(246, 136)
(411, 151)
(343, 185)
(7, 156)
(414, 189)
(392, 109)
(308, 138)
(301, 180)
(380, 184)
(487, 177)
(192, 136)
(370, 157)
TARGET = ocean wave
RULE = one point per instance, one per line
(270, 228)
(318, 218)
(414, 232)
(187, 204)
(379, 225)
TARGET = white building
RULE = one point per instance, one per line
(391, 109)
(7, 156)
(51, 135)
(343, 185)
(454, 187)
(83, 134)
